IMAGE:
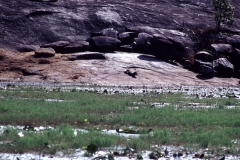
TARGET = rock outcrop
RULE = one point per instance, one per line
(104, 43)
(45, 52)
(127, 38)
(79, 46)
(27, 48)
(223, 67)
(221, 50)
(234, 41)
(139, 44)
(204, 56)
(235, 60)
(176, 34)
(207, 71)
(57, 46)
(38, 22)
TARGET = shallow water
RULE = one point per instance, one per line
(198, 91)
(79, 153)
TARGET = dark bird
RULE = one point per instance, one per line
(166, 152)
(222, 158)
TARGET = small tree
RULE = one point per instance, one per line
(224, 12)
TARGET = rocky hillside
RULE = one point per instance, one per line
(36, 22)
(180, 32)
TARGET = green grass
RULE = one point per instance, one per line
(176, 124)
(50, 141)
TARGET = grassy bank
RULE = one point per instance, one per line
(176, 119)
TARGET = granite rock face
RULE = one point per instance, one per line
(38, 22)
(170, 30)
(223, 67)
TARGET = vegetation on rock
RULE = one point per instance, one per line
(223, 12)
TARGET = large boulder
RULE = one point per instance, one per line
(45, 52)
(198, 63)
(57, 46)
(165, 43)
(206, 70)
(204, 56)
(109, 32)
(127, 38)
(142, 29)
(104, 43)
(174, 35)
(221, 50)
(140, 42)
(161, 47)
(234, 41)
(223, 67)
(27, 48)
(80, 46)
(235, 60)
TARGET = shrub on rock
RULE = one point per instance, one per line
(224, 12)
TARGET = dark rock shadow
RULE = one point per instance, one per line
(92, 56)
(42, 56)
(24, 71)
(149, 58)
(202, 77)
(40, 13)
